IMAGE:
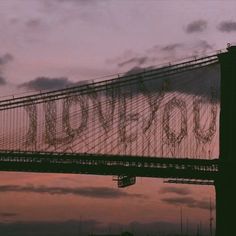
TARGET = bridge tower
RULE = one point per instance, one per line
(225, 184)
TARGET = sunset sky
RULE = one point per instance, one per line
(49, 44)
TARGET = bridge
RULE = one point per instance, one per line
(174, 122)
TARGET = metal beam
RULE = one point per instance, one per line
(156, 167)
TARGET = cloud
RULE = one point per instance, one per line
(204, 45)
(188, 202)
(4, 59)
(2, 80)
(154, 49)
(172, 47)
(196, 26)
(136, 69)
(34, 24)
(227, 26)
(92, 192)
(202, 82)
(8, 214)
(138, 61)
(126, 55)
(207, 77)
(45, 83)
(176, 190)
(159, 54)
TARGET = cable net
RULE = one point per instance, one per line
(166, 112)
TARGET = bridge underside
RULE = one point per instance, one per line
(48, 162)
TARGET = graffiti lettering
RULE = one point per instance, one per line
(126, 120)
(105, 111)
(154, 100)
(83, 103)
(51, 138)
(202, 135)
(172, 137)
(31, 136)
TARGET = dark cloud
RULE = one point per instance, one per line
(93, 192)
(176, 190)
(196, 26)
(188, 202)
(138, 61)
(14, 20)
(45, 83)
(227, 26)
(82, 82)
(132, 59)
(158, 54)
(42, 83)
(204, 45)
(172, 47)
(203, 81)
(154, 49)
(135, 70)
(4, 59)
(8, 214)
(34, 23)
(2, 80)
(125, 56)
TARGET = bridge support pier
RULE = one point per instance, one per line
(225, 183)
(225, 188)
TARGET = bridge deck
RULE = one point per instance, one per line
(54, 162)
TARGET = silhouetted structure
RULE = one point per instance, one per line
(225, 182)
(132, 150)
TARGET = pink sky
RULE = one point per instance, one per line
(82, 40)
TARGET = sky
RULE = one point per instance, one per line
(49, 44)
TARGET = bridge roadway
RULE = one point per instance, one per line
(157, 167)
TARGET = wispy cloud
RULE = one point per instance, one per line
(36, 24)
(172, 47)
(158, 54)
(92, 192)
(43, 83)
(8, 214)
(187, 201)
(196, 26)
(176, 190)
(2, 80)
(227, 26)
(4, 60)
(138, 61)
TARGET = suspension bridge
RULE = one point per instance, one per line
(174, 122)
